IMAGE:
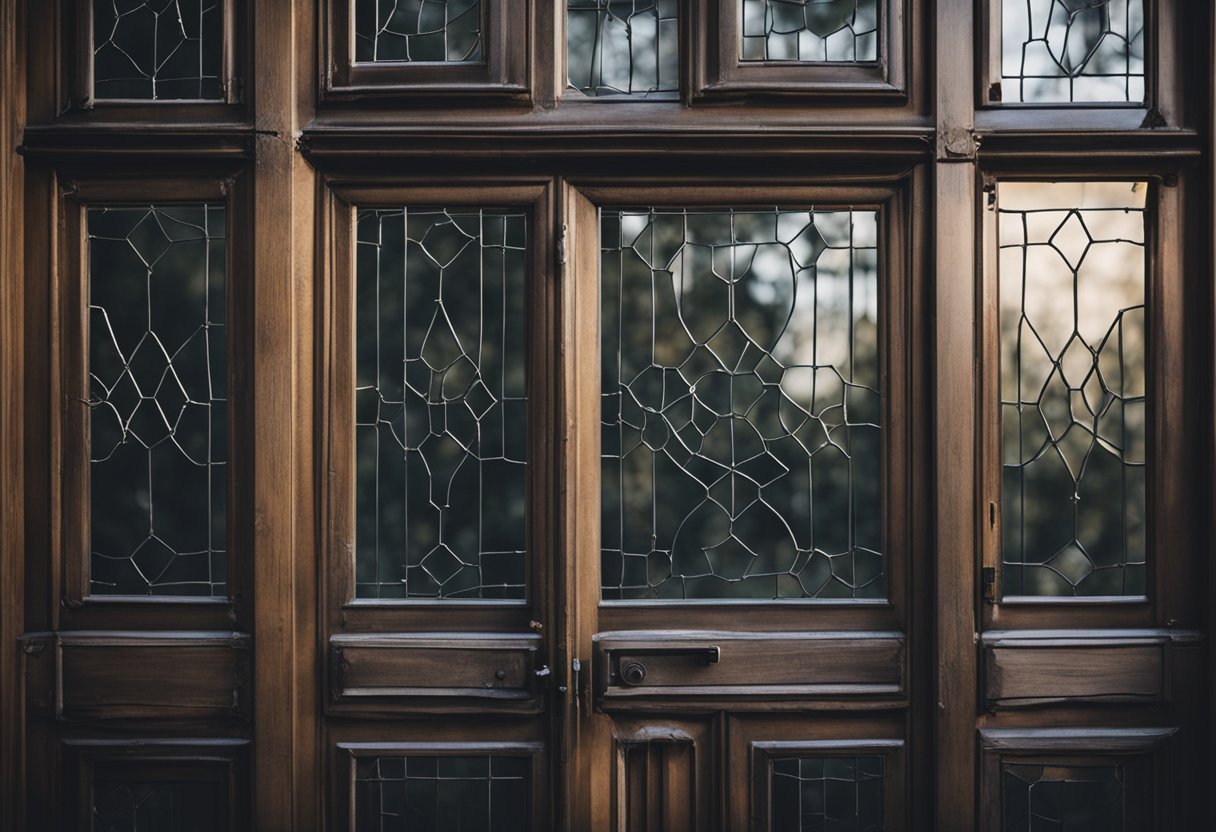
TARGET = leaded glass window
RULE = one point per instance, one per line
(623, 47)
(158, 396)
(741, 406)
(163, 805)
(158, 50)
(827, 793)
(810, 31)
(441, 793)
(441, 31)
(1062, 51)
(1072, 798)
(1073, 345)
(441, 403)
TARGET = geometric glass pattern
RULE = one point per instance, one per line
(1062, 51)
(439, 793)
(160, 806)
(741, 410)
(1073, 422)
(623, 47)
(158, 385)
(810, 31)
(157, 50)
(827, 794)
(1062, 798)
(436, 31)
(440, 403)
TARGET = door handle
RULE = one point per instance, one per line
(712, 654)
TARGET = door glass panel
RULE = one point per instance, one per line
(436, 793)
(810, 31)
(440, 31)
(816, 793)
(166, 806)
(741, 407)
(1070, 797)
(441, 404)
(623, 47)
(157, 50)
(158, 382)
(1061, 51)
(1073, 422)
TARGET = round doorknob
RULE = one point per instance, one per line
(632, 673)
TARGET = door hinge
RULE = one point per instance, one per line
(561, 247)
(988, 583)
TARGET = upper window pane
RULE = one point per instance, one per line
(810, 31)
(1073, 423)
(158, 382)
(157, 50)
(741, 405)
(440, 403)
(623, 47)
(437, 31)
(1064, 51)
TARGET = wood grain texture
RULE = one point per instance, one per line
(1037, 673)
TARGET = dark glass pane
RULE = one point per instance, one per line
(827, 793)
(1063, 798)
(439, 793)
(1061, 51)
(158, 378)
(442, 31)
(741, 408)
(623, 47)
(440, 404)
(166, 806)
(809, 31)
(158, 50)
(1073, 341)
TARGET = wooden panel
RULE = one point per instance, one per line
(1034, 667)
(137, 675)
(680, 664)
(409, 666)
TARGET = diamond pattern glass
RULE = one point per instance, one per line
(741, 408)
(1073, 421)
(1064, 51)
(157, 50)
(439, 793)
(158, 382)
(441, 404)
(827, 794)
(810, 31)
(438, 31)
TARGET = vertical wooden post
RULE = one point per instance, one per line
(286, 777)
(955, 383)
(12, 445)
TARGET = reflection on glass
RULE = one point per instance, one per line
(158, 383)
(1062, 797)
(157, 50)
(810, 31)
(1060, 51)
(446, 31)
(438, 794)
(440, 403)
(623, 47)
(1073, 423)
(741, 408)
(164, 805)
(827, 793)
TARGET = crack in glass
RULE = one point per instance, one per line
(838, 793)
(158, 383)
(441, 403)
(623, 47)
(1073, 423)
(438, 31)
(1064, 51)
(1070, 797)
(810, 31)
(157, 50)
(741, 406)
(442, 793)
(160, 806)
